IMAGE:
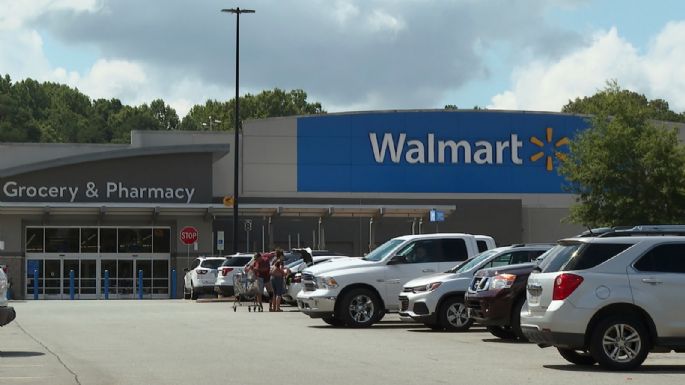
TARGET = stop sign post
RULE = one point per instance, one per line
(188, 235)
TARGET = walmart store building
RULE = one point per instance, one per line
(344, 182)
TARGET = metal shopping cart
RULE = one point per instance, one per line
(246, 288)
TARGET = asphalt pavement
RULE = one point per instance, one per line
(187, 342)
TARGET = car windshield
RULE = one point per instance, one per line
(293, 264)
(290, 257)
(237, 261)
(211, 263)
(381, 251)
(471, 263)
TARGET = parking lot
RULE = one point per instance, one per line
(189, 342)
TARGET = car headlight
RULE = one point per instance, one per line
(327, 282)
(430, 287)
(502, 281)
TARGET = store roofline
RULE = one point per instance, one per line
(246, 209)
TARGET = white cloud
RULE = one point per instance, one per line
(15, 13)
(381, 21)
(114, 79)
(657, 73)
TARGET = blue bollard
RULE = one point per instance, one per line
(71, 285)
(173, 284)
(140, 284)
(35, 284)
(106, 284)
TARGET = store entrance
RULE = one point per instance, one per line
(104, 260)
(54, 277)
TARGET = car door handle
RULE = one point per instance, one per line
(652, 281)
(428, 270)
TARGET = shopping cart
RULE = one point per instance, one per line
(246, 288)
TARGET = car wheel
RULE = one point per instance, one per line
(359, 308)
(186, 294)
(453, 315)
(502, 332)
(516, 320)
(620, 343)
(333, 321)
(577, 357)
(193, 294)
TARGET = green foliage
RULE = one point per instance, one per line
(612, 99)
(266, 104)
(49, 112)
(625, 169)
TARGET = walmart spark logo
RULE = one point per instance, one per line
(559, 155)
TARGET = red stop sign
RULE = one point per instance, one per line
(188, 235)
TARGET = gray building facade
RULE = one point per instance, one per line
(343, 182)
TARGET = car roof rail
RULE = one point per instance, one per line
(645, 230)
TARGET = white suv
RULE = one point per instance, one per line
(437, 300)
(7, 313)
(609, 300)
(201, 276)
(357, 292)
(234, 264)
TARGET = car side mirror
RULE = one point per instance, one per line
(185, 269)
(397, 260)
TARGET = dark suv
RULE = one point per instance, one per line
(495, 298)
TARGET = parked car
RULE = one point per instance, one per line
(485, 242)
(358, 292)
(294, 279)
(438, 300)
(200, 277)
(610, 299)
(7, 313)
(496, 296)
(233, 264)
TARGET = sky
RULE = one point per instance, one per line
(351, 55)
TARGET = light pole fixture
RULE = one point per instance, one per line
(237, 12)
(211, 122)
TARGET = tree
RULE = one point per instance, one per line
(266, 104)
(625, 169)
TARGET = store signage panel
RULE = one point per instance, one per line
(434, 151)
(181, 178)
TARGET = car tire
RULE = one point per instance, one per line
(333, 321)
(193, 294)
(359, 308)
(577, 357)
(502, 332)
(516, 320)
(453, 315)
(186, 294)
(620, 342)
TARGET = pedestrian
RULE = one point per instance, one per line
(261, 267)
(278, 273)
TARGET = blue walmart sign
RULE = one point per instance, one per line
(434, 152)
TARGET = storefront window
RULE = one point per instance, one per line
(61, 240)
(89, 240)
(161, 240)
(108, 240)
(135, 240)
(34, 240)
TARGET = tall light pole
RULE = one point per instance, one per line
(237, 12)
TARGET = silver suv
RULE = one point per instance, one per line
(610, 299)
(437, 300)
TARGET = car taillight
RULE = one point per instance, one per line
(297, 278)
(4, 268)
(564, 285)
(226, 270)
(200, 272)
